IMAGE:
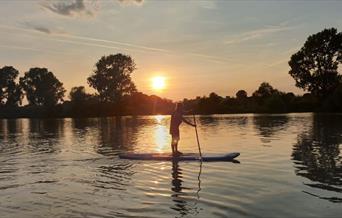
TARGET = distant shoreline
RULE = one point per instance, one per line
(137, 115)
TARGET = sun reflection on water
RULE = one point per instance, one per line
(161, 135)
(159, 118)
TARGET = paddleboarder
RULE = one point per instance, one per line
(176, 119)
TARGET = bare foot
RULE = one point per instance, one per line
(178, 153)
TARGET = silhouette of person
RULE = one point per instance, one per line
(176, 119)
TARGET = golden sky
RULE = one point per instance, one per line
(198, 46)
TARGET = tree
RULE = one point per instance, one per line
(42, 87)
(241, 94)
(315, 66)
(78, 94)
(265, 90)
(275, 104)
(112, 77)
(337, 98)
(10, 92)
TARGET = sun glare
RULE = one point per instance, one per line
(158, 83)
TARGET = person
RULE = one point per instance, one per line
(176, 119)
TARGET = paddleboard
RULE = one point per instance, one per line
(183, 157)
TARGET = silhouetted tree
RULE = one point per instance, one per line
(10, 91)
(289, 97)
(42, 88)
(264, 90)
(112, 77)
(315, 66)
(275, 104)
(79, 95)
(333, 103)
(211, 104)
(139, 104)
(337, 98)
(241, 94)
(215, 98)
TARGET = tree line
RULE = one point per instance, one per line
(116, 93)
(315, 69)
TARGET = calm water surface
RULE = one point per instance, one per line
(290, 166)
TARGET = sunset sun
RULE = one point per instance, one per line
(158, 83)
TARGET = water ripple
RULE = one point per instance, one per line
(290, 166)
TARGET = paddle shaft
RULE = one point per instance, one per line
(199, 146)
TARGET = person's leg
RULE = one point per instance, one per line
(176, 146)
(173, 147)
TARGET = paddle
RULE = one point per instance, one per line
(199, 147)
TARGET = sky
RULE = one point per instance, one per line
(200, 47)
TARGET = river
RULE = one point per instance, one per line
(290, 166)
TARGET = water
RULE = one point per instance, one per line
(290, 166)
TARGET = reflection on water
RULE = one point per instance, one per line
(71, 168)
(207, 120)
(180, 195)
(161, 132)
(268, 126)
(180, 204)
(114, 176)
(317, 155)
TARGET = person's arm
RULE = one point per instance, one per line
(187, 122)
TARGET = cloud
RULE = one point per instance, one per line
(38, 28)
(23, 48)
(20, 48)
(42, 29)
(255, 34)
(207, 4)
(80, 7)
(69, 7)
(129, 2)
(60, 36)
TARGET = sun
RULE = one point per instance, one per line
(158, 83)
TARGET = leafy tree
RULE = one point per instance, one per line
(241, 94)
(78, 94)
(112, 77)
(10, 92)
(337, 98)
(275, 104)
(289, 96)
(315, 66)
(42, 87)
(333, 103)
(211, 104)
(265, 90)
(215, 97)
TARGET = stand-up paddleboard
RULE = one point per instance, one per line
(183, 157)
